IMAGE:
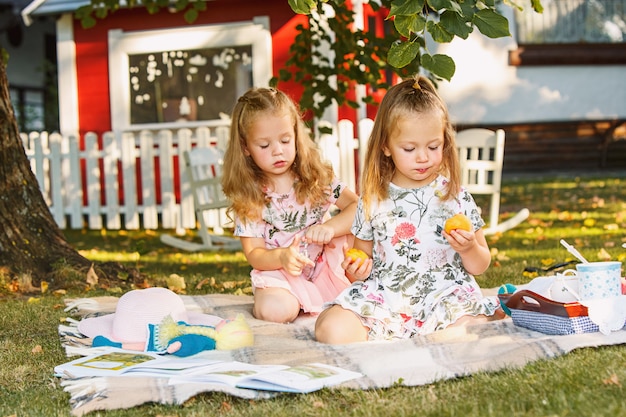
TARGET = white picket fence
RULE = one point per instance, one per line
(129, 180)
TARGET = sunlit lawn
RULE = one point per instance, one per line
(589, 212)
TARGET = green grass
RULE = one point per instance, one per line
(588, 211)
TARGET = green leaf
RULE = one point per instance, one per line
(454, 23)
(180, 4)
(444, 5)
(402, 54)
(284, 75)
(191, 15)
(491, 24)
(302, 6)
(439, 64)
(537, 6)
(199, 5)
(87, 22)
(101, 13)
(405, 25)
(439, 33)
(326, 130)
(467, 10)
(405, 7)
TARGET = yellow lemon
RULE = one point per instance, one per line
(458, 221)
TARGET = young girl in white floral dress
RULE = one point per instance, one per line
(419, 278)
(281, 192)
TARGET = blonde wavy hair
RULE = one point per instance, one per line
(243, 181)
(414, 95)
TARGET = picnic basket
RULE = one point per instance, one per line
(535, 312)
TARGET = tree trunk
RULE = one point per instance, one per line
(31, 244)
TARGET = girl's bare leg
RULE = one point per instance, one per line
(275, 304)
(481, 318)
(337, 325)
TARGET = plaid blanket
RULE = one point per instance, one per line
(422, 360)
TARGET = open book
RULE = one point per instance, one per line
(194, 369)
(119, 362)
(299, 378)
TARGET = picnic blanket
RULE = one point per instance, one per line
(446, 354)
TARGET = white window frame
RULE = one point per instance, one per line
(122, 44)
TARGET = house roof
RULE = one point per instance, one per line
(50, 7)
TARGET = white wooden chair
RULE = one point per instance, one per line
(481, 153)
(203, 168)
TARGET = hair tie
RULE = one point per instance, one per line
(416, 85)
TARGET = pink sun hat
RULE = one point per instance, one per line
(138, 308)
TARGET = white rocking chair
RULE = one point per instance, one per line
(203, 168)
(481, 152)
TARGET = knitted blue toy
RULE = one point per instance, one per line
(506, 289)
(182, 339)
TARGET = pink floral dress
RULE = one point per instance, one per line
(283, 219)
(418, 284)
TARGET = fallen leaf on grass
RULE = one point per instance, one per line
(565, 216)
(497, 255)
(206, 281)
(589, 222)
(229, 285)
(612, 380)
(37, 349)
(92, 277)
(226, 406)
(318, 404)
(244, 291)
(603, 255)
(176, 283)
(530, 274)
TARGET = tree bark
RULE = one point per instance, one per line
(32, 245)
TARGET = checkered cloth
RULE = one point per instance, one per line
(446, 354)
(555, 325)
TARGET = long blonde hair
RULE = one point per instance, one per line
(414, 95)
(243, 181)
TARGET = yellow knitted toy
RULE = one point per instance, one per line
(183, 339)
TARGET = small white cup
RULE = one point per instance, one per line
(564, 289)
(599, 280)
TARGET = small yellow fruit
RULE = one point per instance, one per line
(458, 221)
(357, 255)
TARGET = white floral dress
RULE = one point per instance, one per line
(283, 219)
(418, 283)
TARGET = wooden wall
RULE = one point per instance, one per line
(563, 146)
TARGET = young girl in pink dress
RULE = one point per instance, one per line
(281, 192)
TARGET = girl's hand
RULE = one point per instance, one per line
(472, 247)
(460, 240)
(292, 261)
(320, 234)
(356, 269)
